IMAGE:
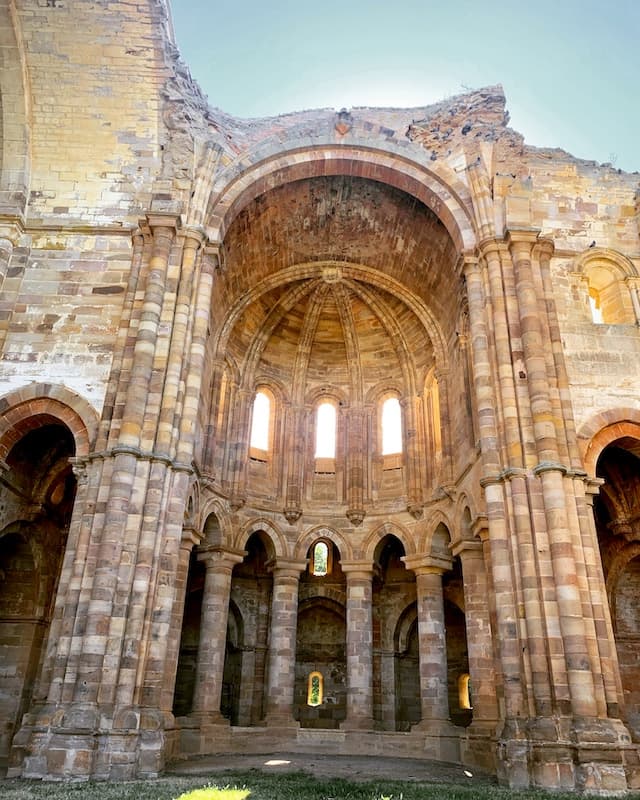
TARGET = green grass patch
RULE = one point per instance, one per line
(256, 785)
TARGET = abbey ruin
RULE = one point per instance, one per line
(318, 432)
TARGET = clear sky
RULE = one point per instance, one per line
(570, 68)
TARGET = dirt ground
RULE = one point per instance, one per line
(354, 768)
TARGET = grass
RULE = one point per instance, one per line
(256, 785)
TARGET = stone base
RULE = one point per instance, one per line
(478, 745)
(593, 756)
(78, 742)
(441, 739)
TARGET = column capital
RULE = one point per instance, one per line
(190, 538)
(195, 234)
(545, 247)
(220, 558)
(491, 247)
(521, 239)
(357, 569)
(286, 568)
(163, 219)
(428, 565)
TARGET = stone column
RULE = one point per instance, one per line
(441, 736)
(359, 645)
(478, 629)
(480, 735)
(213, 632)
(434, 693)
(282, 647)
(190, 539)
(552, 492)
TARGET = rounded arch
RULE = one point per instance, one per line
(603, 429)
(604, 272)
(40, 404)
(614, 260)
(273, 534)
(305, 541)
(239, 184)
(328, 392)
(387, 528)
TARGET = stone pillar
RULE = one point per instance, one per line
(480, 735)
(441, 736)
(359, 645)
(190, 539)
(213, 632)
(282, 646)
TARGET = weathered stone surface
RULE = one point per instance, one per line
(161, 263)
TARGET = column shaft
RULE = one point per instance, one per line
(359, 647)
(213, 631)
(434, 693)
(282, 647)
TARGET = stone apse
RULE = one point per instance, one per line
(318, 432)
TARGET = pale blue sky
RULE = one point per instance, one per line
(570, 68)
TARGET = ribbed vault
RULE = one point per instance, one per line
(329, 322)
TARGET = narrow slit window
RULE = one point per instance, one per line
(260, 421)
(314, 689)
(320, 559)
(326, 430)
(391, 426)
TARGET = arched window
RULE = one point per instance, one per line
(391, 426)
(326, 430)
(314, 689)
(320, 559)
(609, 280)
(260, 422)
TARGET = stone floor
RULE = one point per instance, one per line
(356, 768)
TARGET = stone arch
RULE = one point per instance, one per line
(617, 566)
(441, 541)
(40, 404)
(605, 271)
(407, 620)
(218, 509)
(603, 429)
(437, 521)
(239, 184)
(273, 534)
(464, 516)
(305, 541)
(387, 528)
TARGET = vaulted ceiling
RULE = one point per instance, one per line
(332, 279)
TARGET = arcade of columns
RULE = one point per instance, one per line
(346, 257)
